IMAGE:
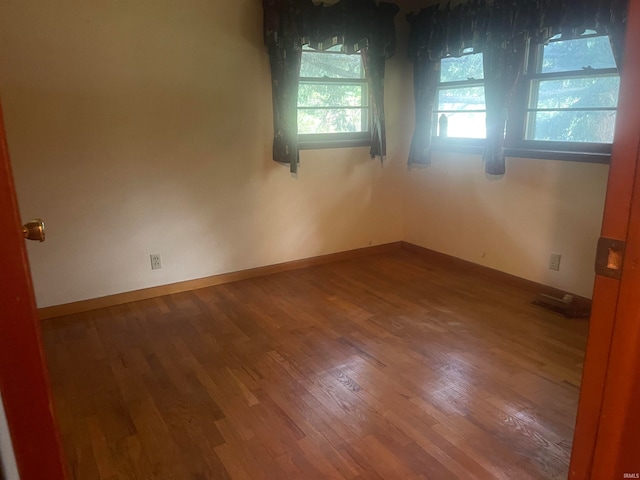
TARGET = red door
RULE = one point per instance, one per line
(617, 448)
(24, 382)
(607, 436)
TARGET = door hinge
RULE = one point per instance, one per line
(609, 257)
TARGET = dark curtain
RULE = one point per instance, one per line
(616, 37)
(374, 71)
(427, 44)
(617, 30)
(359, 25)
(285, 76)
(501, 30)
(426, 75)
(502, 68)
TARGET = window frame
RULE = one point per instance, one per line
(308, 141)
(516, 143)
(461, 144)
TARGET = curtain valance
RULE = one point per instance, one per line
(502, 30)
(438, 32)
(355, 24)
(358, 25)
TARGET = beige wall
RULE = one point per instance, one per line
(145, 127)
(513, 224)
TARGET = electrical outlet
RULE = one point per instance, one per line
(155, 261)
(554, 261)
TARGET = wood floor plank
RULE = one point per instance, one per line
(381, 367)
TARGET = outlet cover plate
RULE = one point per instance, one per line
(554, 261)
(156, 262)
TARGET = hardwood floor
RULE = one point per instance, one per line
(381, 367)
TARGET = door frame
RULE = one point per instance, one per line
(617, 447)
(599, 373)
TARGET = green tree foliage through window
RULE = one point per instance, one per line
(332, 96)
(570, 55)
(574, 96)
(466, 67)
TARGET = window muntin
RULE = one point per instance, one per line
(573, 95)
(332, 96)
(461, 98)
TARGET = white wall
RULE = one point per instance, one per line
(513, 224)
(145, 127)
(8, 467)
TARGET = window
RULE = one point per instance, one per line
(573, 92)
(461, 109)
(565, 104)
(332, 99)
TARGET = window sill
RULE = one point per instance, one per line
(318, 143)
(465, 146)
(475, 147)
(561, 155)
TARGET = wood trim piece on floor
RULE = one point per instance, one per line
(443, 259)
(152, 292)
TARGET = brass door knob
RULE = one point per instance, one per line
(34, 230)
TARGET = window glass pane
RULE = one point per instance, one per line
(335, 48)
(463, 124)
(462, 68)
(331, 65)
(578, 92)
(563, 126)
(322, 103)
(330, 95)
(461, 98)
(571, 55)
(335, 120)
